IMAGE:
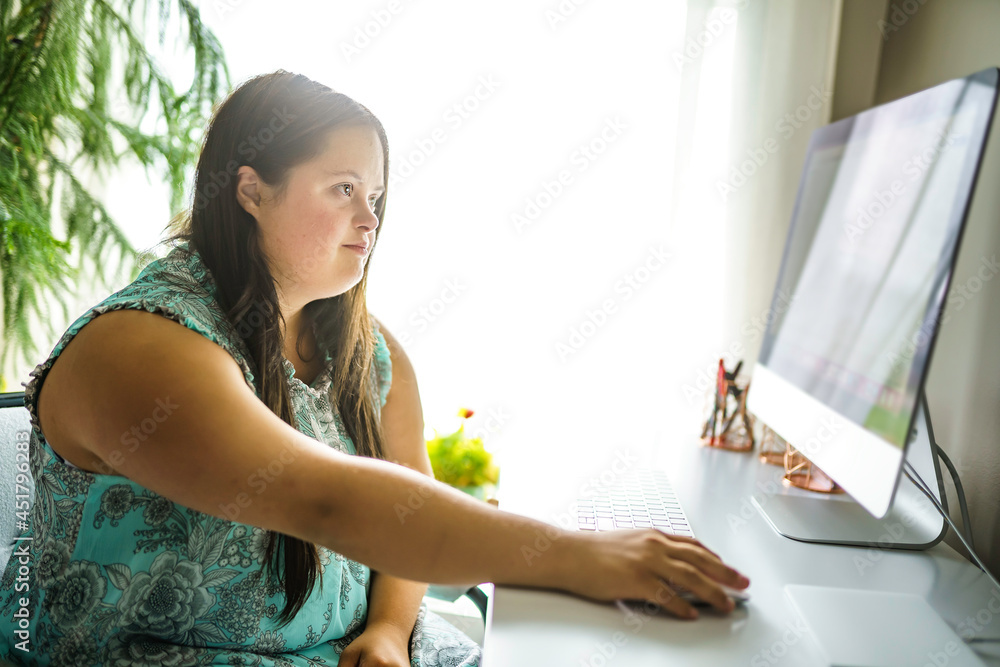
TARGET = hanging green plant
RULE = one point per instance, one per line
(61, 109)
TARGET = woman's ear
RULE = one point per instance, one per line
(248, 190)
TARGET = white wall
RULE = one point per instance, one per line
(562, 78)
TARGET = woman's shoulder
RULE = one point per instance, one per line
(176, 287)
(180, 288)
(126, 340)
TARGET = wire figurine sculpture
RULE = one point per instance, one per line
(772, 447)
(729, 426)
(719, 430)
(799, 471)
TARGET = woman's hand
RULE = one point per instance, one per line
(646, 565)
(378, 646)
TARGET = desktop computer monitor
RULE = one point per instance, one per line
(863, 282)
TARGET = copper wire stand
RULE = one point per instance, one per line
(772, 447)
(802, 473)
(727, 390)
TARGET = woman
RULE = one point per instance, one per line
(185, 513)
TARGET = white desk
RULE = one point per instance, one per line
(529, 627)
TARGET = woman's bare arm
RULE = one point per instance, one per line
(222, 452)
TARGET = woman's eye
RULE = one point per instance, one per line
(348, 189)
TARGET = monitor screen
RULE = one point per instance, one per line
(870, 251)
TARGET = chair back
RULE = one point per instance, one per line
(16, 485)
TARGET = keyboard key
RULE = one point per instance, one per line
(641, 499)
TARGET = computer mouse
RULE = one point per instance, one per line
(739, 597)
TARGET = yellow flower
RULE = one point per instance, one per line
(465, 413)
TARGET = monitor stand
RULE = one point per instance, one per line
(912, 521)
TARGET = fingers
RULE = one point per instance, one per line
(662, 596)
(662, 569)
(690, 540)
(683, 576)
(710, 562)
(712, 566)
(689, 567)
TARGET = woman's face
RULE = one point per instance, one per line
(327, 208)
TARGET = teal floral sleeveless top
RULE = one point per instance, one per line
(119, 575)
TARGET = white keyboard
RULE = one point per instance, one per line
(641, 498)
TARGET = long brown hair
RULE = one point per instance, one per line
(272, 123)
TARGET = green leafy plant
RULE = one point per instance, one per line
(460, 461)
(63, 108)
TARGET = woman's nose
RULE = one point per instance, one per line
(368, 220)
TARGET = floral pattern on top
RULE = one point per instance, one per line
(119, 575)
